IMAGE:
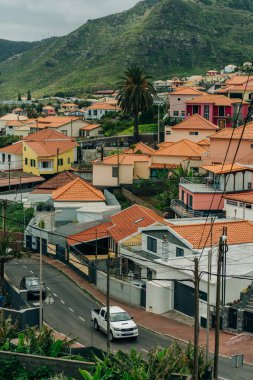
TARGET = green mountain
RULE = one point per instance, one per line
(11, 48)
(167, 37)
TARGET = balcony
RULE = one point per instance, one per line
(184, 211)
(200, 184)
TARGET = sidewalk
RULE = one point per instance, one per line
(230, 344)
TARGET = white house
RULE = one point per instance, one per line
(11, 117)
(239, 205)
(11, 157)
(99, 109)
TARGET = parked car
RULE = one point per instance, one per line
(32, 285)
(121, 324)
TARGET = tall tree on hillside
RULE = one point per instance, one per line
(135, 94)
(19, 97)
(29, 96)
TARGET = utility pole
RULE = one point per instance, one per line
(41, 285)
(4, 204)
(158, 125)
(196, 320)
(9, 164)
(96, 252)
(118, 165)
(57, 160)
(209, 270)
(108, 304)
(217, 311)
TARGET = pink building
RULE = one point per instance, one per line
(204, 196)
(218, 109)
(178, 98)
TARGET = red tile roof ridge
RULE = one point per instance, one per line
(57, 180)
(61, 194)
(87, 235)
(186, 123)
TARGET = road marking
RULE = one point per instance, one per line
(71, 310)
(55, 295)
(63, 302)
(48, 288)
(82, 319)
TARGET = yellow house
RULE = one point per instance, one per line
(48, 152)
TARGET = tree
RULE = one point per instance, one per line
(19, 97)
(6, 254)
(135, 94)
(29, 96)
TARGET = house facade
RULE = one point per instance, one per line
(218, 109)
(178, 98)
(11, 157)
(97, 110)
(193, 128)
(91, 130)
(239, 205)
(69, 126)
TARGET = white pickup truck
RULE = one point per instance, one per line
(121, 324)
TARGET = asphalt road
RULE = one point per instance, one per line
(70, 314)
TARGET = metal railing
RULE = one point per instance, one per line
(207, 181)
(179, 207)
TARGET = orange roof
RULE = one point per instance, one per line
(226, 168)
(195, 122)
(204, 142)
(140, 147)
(55, 182)
(16, 123)
(78, 190)
(127, 222)
(57, 119)
(241, 197)
(90, 127)
(163, 166)
(93, 233)
(50, 148)
(199, 235)
(69, 105)
(238, 79)
(186, 91)
(46, 135)
(48, 108)
(218, 100)
(235, 133)
(182, 148)
(165, 144)
(16, 148)
(122, 159)
(103, 106)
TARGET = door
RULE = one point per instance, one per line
(184, 298)
(143, 296)
(28, 242)
(248, 321)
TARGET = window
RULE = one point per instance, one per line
(115, 172)
(32, 163)
(193, 133)
(206, 112)
(60, 161)
(65, 132)
(45, 164)
(251, 145)
(248, 205)
(221, 111)
(179, 252)
(24, 148)
(95, 112)
(195, 109)
(175, 113)
(3, 157)
(9, 157)
(89, 112)
(249, 186)
(149, 274)
(168, 132)
(26, 161)
(183, 113)
(190, 200)
(232, 203)
(178, 99)
(182, 195)
(194, 170)
(152, 244)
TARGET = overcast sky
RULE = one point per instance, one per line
(31, 20)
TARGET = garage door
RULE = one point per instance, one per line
(184, 298)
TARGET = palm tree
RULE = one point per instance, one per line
(135, 94)
(6, 255)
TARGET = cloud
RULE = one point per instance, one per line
(30, 20)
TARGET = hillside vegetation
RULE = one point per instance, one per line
(168, 37)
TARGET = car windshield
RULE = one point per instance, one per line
(32, 283)
(117, 317)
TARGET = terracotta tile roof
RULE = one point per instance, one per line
(140, 147)
(199, 236)
(16, 123)
(50, 148)
(235, 133)
(165, 144)
(20, 180)
(46, 135)
(93, 233)
(204, 142)
(78, 190)
(246, 197)
(223, 169)
(13, 116)
(48, 108)
(103, 106)
(238, 79)
(186, 91)
(69, 105)
(90, 127)
(218, 100)
(227, 168)
(16, 148)
(57, 181)
(182, 148)
(57, 119)
(122, 159)
(127, 222)
(195, 122)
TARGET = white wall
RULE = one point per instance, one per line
(159, 296)
(171, 247)
(238, 211)
(15, 161)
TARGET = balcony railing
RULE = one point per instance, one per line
(185, 211)
(208, 182)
